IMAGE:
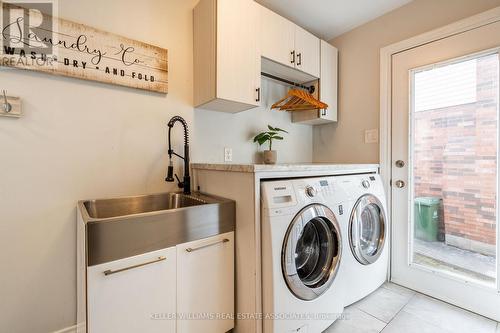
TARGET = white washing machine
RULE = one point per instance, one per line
(366, 253)
(301, 255)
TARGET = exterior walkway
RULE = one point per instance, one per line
(448, 258)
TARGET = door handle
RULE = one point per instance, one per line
(400, 184)
(192, 249)
(110, 272)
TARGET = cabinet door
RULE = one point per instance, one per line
(277, 37)
(133, 295)
(307, 48)
(205, 284)
(329, 80)
(238, 61)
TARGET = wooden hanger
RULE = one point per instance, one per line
(297, 100)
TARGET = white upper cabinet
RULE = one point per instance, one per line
(236, 40)
(327, 90)
(278, 37)
(307, 52)
(329, 80)
(226, 55)
(134, 294)
(285, 43)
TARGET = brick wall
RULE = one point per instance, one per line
(455, 153)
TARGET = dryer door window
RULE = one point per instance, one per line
(367, 229)
(311, 252)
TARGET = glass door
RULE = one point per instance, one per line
(445, 169)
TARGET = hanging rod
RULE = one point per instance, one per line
(311, 88)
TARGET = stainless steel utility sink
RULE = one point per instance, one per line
(122, 227)
(106, 208)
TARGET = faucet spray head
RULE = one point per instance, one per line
(170, 172)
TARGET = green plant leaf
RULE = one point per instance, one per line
(278, 138)
(280, 130)
(271, 128)
(263, 140)
(258, 136)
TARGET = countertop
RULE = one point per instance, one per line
(306, 167)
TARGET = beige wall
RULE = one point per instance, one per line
(359, 73)
(80, 139)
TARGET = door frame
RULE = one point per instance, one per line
(386, 53)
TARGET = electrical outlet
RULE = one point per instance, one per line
(228, 154)
(371, 136)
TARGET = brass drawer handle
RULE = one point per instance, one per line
(110, 272)
(191, 249)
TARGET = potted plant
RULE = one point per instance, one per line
(270, 156)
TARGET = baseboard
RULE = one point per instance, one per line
(71, 329)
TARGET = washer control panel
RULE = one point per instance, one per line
(311, 191)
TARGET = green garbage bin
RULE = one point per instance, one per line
(427, 218)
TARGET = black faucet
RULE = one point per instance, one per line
(186, 183)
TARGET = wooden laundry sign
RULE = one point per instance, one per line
(41, 42)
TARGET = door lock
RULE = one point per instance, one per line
(400, 184)
(400, 163)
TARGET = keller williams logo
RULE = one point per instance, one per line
(26, 31)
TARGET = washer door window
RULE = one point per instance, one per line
(367, 229)
(311, 252)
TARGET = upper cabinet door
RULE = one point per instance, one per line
(238, 61)
(226, 55)
(307, 49)
(329, 80)
(277, 37)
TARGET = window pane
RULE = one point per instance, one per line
(446, 86)
(454, 142)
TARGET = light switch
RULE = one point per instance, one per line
(371, 136)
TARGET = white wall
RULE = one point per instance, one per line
(80, 140)
(217, 130)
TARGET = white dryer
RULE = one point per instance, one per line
(366, 253)
(301, 254)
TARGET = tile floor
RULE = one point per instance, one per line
(394, 309)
